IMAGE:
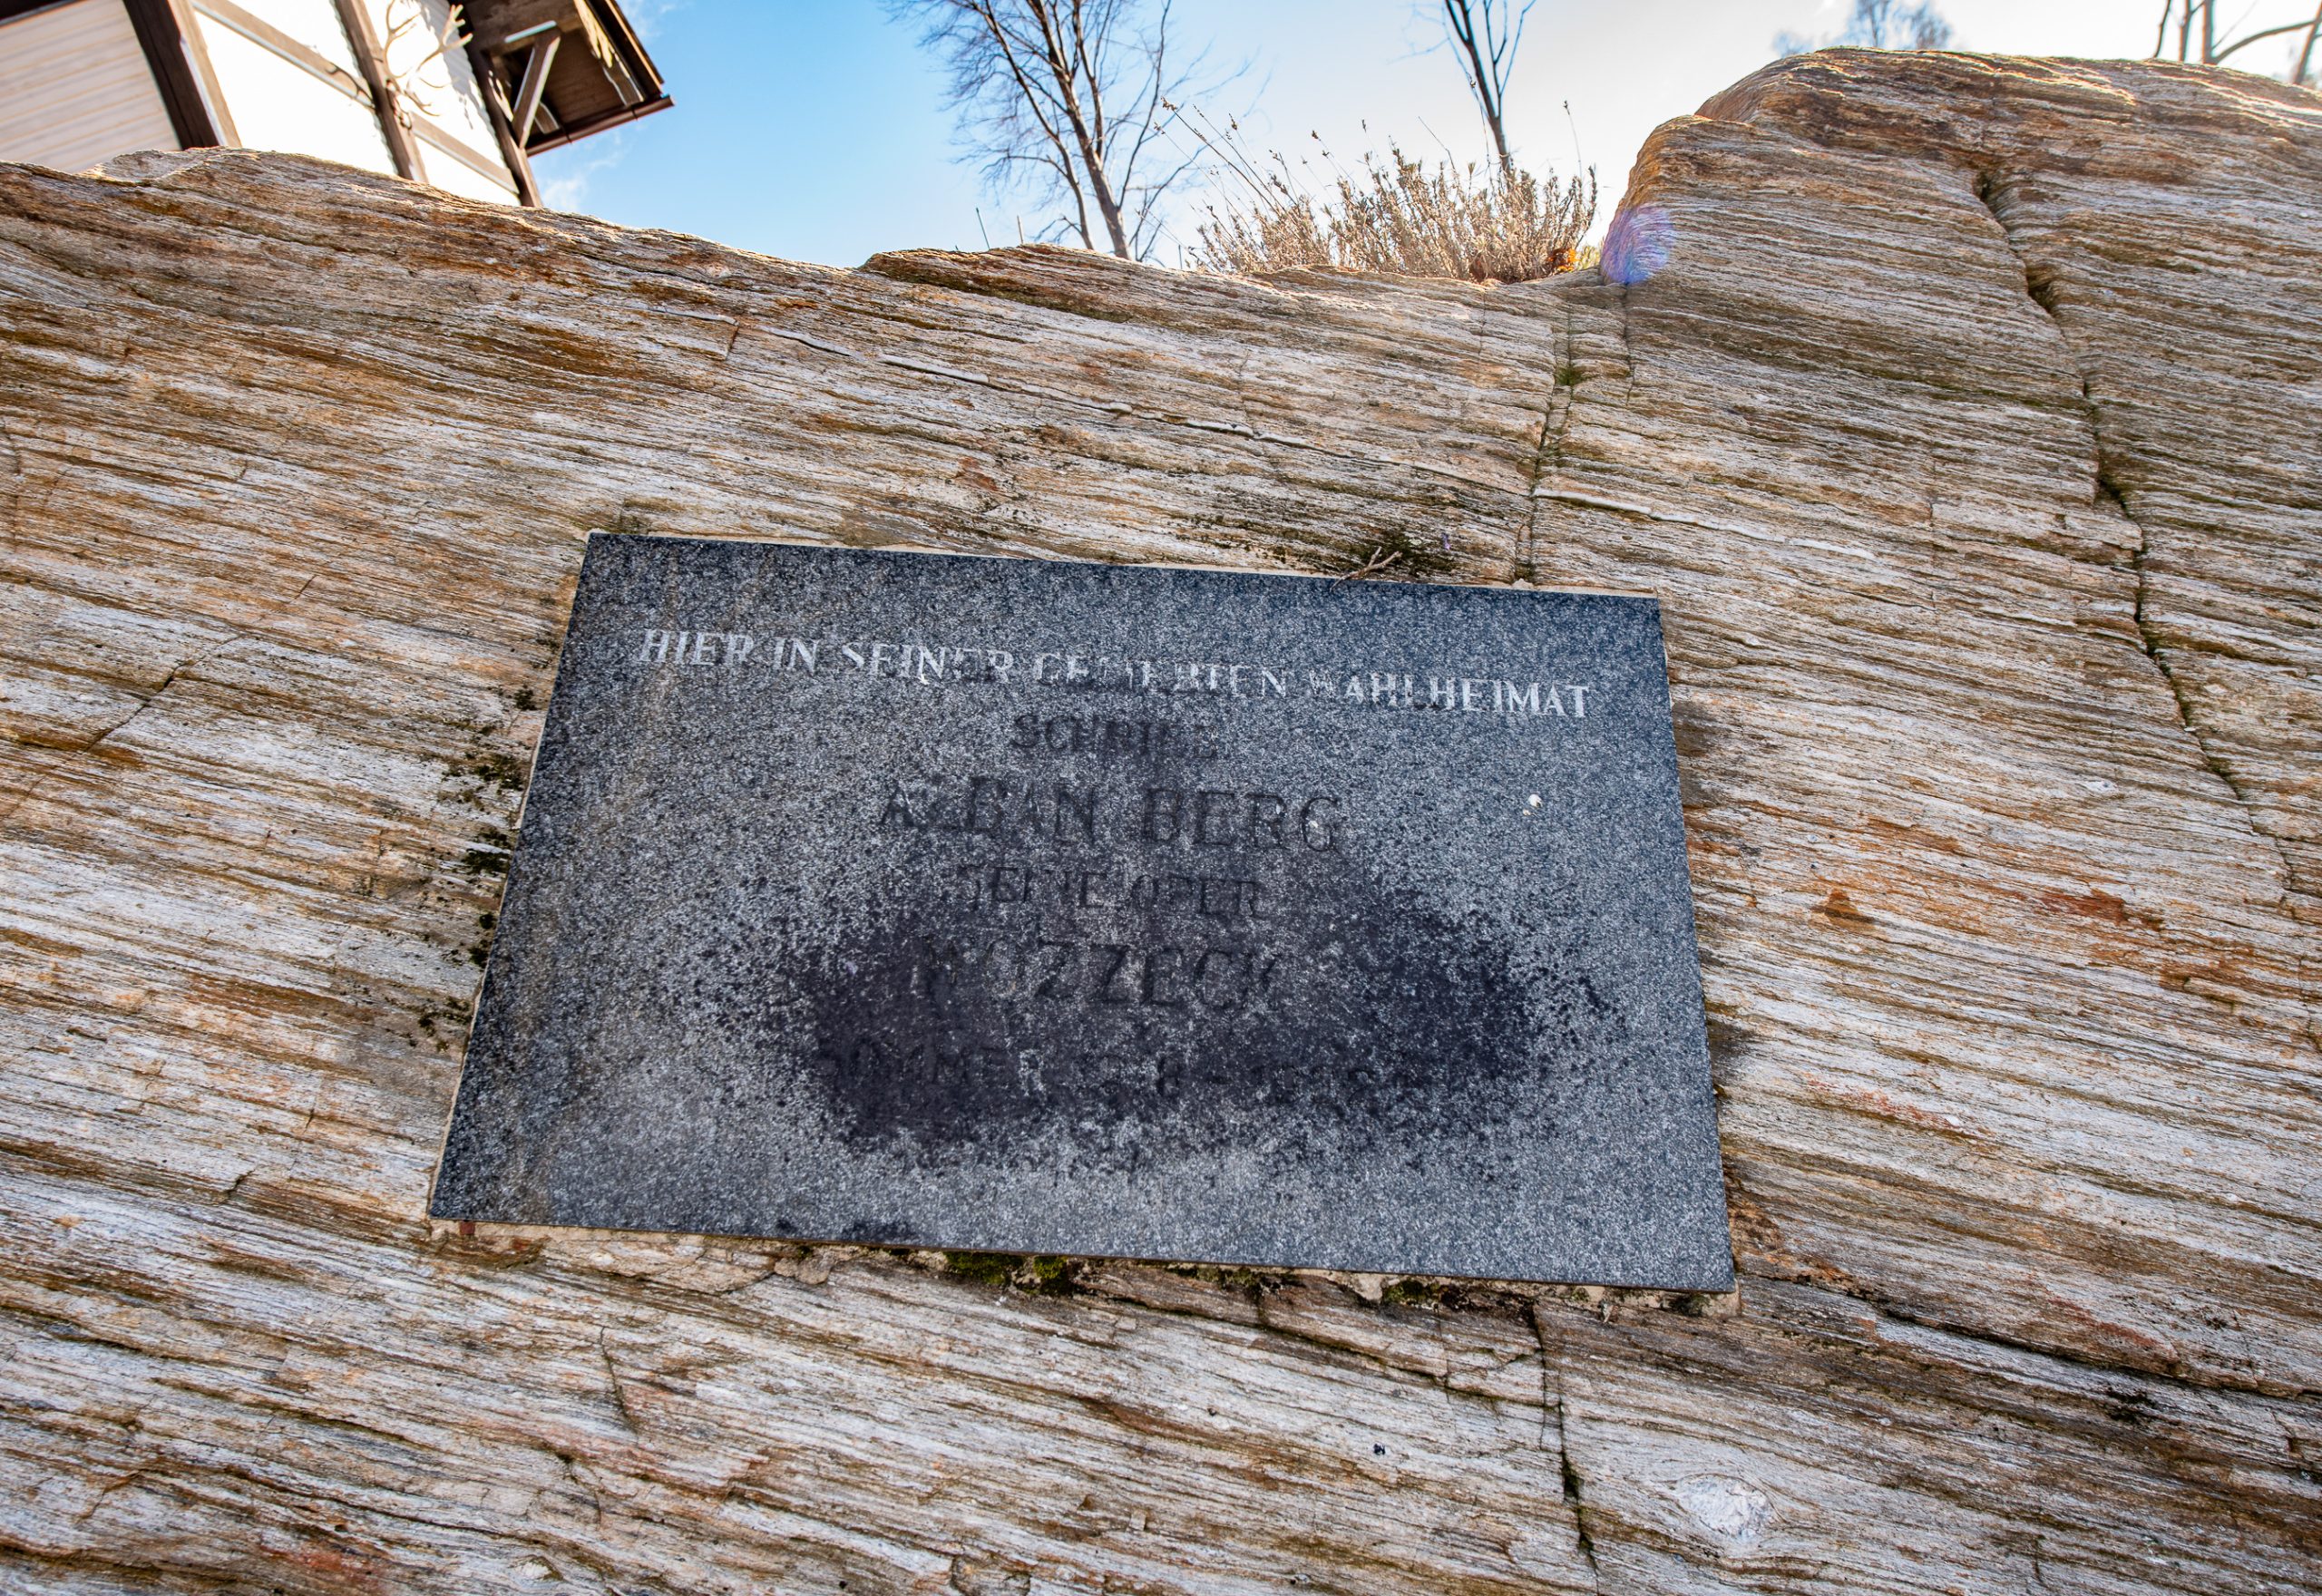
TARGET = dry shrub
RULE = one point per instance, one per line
(1397, 217)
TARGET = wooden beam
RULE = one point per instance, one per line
(385, 103)
(598, 125)
(296, 50)
(164, 43)
(460, 149)
(615, 23)
(535, 85)
(495, 106)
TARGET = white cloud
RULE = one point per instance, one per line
(567, 188)
(644, 15)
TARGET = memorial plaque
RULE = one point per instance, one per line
(1010, 906)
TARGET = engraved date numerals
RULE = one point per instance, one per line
(1207, 977)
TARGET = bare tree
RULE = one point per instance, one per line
(1065, 98)
(1879, 24)
(2208, 49)
(1486, 37)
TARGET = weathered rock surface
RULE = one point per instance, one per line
(1968, 438)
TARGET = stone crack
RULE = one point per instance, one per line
(199, 656)
(1548, 453)
(1987, 191)
(613, 1387)
(1552, 1410)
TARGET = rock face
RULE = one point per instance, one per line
(1968, 436)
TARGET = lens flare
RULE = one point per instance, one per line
(1636, 246)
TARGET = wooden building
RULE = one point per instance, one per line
(457, 93)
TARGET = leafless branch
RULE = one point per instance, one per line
(1065, 98)
(1487, 38)
(2247, 40)
(2209, 52)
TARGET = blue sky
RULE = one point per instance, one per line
(814, 129)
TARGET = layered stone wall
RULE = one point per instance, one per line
(1961, 414)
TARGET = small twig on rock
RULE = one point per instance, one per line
(1380, 558)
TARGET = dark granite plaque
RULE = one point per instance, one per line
(1019, 907)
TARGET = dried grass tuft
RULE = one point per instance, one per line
(1400, 218)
